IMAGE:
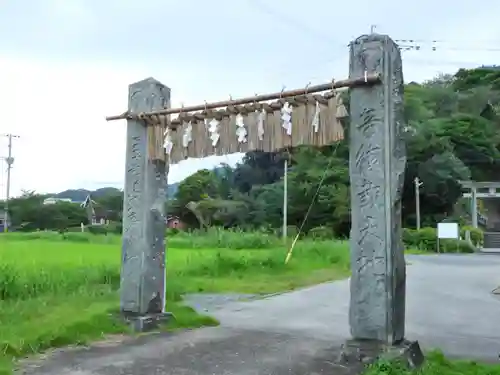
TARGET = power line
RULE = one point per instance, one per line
(447, 41)
(404, 44)
(434, 47)
(407, 56)
(411, 60)
(292, 22)
(407, 44)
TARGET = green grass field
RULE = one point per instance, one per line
(57, 291)
(62, 289)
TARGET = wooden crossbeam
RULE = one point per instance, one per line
(366, 80)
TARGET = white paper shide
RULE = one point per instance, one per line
(286, 118)
(315, 120)
(261, 118)
(213, 129)
(241, 131)
(167, 141)
(187, 136)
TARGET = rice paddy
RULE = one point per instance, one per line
(63, 289)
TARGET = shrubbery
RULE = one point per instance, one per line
(425, 239)
(322, 233)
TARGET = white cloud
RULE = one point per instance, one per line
(57, 95)
(59, 111)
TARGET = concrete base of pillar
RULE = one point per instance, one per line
(359, 353)
(146, 323)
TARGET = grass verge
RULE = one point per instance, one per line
(435, 364)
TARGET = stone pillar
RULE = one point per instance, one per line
(377, 165)
(142, 288)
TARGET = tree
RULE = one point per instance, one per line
(113, 204)
(259, 168)
(203, 184)
(29, 213)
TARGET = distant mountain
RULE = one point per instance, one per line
(79, 195)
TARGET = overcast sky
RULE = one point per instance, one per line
(66, 64)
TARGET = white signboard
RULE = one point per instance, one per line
(448, 230)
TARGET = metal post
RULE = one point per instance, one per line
(474, 206)
(417, 200)
(285, 201)
(10, 161)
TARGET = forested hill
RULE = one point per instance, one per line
(79, 195)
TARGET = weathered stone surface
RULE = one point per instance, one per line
(377, 163)
(356, 354)
(143, 247)
(148, 322)
(408, 353)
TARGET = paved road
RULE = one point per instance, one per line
(450, 306)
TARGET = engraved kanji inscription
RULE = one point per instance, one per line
(368, 119)
(368, 231)
(366, 156)
(136, 148)
(375, 262)
(368, 193)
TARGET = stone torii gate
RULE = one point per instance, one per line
(486, 191)
(377, 165)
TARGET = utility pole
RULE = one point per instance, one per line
(10, 160)
(285, 200)
(417, 200)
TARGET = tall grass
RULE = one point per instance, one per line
(59, 289)
(30, 269)
(212, 238)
